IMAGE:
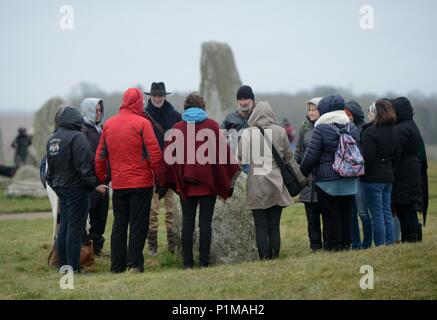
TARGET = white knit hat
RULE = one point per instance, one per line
(314, 101)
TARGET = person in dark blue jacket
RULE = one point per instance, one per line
(360, 207)
(335, 193)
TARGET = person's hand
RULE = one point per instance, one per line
(231, 192)
(102, 188)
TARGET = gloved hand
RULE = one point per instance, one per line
(161, 191)
(231, 191)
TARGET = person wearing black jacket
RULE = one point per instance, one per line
(407, 194)
(21, 145)
(360, 207)
(380, 149)
(92, 110)
(70, 174)
(163, 116)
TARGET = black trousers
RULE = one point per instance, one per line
(206, 210)
(98, 216)
(313, 213)
(268, 236)
(411, 229)
(337, 219)
(6, 171)
(131, 209)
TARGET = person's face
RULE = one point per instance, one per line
(351, 117)
(157, 101)
(99, 113)
(245, 104)
(313, 112)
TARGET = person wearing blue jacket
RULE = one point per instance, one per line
(335, 193)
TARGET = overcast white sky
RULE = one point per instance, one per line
(279, 45)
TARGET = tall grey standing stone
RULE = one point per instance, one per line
(2, 158)
(220, 80)
(44, 124)
(233, 230)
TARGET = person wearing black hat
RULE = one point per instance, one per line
(163, 116)
(237, 120)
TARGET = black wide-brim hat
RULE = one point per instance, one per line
(157, 89)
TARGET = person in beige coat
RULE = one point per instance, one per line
(266, 193)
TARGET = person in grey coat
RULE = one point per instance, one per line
(308, 195)
(267, 194)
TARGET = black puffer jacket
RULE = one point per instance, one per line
(320, 155)
(407, 188)
(380, 148)
(69, 154)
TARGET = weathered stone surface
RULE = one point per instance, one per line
(44, 124)
(26, 182)
(220, 79)
(233, 230)
(2, 158)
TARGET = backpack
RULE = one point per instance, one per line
(349, 161)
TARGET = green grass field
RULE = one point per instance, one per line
(406, 271)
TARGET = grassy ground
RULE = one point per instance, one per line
(22, 204)
(407, 271)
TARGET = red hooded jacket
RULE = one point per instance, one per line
(130, 145)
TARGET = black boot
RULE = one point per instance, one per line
(275, 254)
(419, 232)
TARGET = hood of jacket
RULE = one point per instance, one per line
(262, 115)
(194, 114)
(356, 110)
(339, 117)
(331, 103)
(70, 118)
(133, 101)
(88, 110)
(404, 110)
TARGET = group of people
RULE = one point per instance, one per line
(389, 195)
(131, 154)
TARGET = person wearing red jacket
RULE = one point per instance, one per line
(197, 181)
(130, 145)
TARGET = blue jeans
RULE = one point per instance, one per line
(74, 204)
(360, 208)
(379, 202)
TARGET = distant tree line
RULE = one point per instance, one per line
(290, 106)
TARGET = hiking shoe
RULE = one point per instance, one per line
(133, 270)
(102, 254)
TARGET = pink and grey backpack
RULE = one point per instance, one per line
(348, 159)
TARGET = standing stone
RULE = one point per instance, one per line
(233, 229)
(44, 124)
(26, 183)
(220, 80)
(2, 158)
